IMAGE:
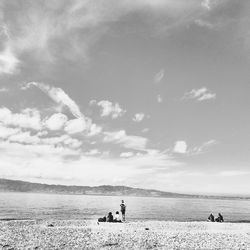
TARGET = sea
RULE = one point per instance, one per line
(74, 207)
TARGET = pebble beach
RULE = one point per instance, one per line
(88, 234)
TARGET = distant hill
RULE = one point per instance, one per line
(23, 186)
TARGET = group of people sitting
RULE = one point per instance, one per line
(111, 218)
(116, 217)
(218, 219)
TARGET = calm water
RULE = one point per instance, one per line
(52, 206)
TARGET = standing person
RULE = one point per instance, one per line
(123, 210)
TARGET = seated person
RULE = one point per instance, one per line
(104, 219)
(219, 218)
(110, 217)
(210, 218)
(117, 217)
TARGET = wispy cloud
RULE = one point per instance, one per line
(126, 154)
(138, 117)
(4, 89)
(202, 94)
(181, 147)
(8, 61)
(44, 29)
(231, 173)
(159, 76)
(159, 99)
(59, 96)
(128, 141)
(200, 149)
(78, 125)
(206, 4)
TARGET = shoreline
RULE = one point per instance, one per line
(130, 220)
(87, 234)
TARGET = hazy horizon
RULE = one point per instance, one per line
(151, 94)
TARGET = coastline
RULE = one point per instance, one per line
(87, 234)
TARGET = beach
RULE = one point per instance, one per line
(88, 234)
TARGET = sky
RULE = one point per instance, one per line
(144, 93)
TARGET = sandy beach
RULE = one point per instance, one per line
(32, 234)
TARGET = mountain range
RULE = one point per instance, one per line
(7, 185)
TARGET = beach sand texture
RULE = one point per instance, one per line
(31, 234)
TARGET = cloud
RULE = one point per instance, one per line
(138, 117)
(126, 154)
(93, 152)
(58, 96)
(50, 164)
(24, 137)
(128, 141)
(231, 173)
(159, 76)
(202, 94)
(94, 130)
(203, 147)
(75, 126)
(30, 137)
(4, 89)
(8, 61)
(159, 99)
(204, 23)
(111, 109)
(206, 4)
(180, 147)
(78, 125)
(56, 121)
(50, 30)
(5, 132)
(28, 118)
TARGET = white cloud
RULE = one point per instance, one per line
(201, 94)
(59, 96)
(50, 163)
(126, 154)
(204, 146)
(50, 30)
(28, 118)
(94, 130)
(110, 109)
(138, 117)
(56, 121)
(159, 76)
(231, 173)
(180, 147)
(4, 89)
(128, 141)
(80, 124)
(206, 4)
(6, 132)
(75, 126)
(8, 61)
(204, 23)
(24, 137)
(159, 99)
(93, 152)
(145, 130)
